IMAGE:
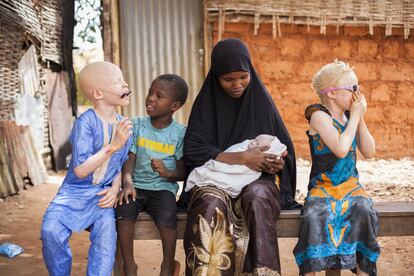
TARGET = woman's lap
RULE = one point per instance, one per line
(253, 214)
(261, 207)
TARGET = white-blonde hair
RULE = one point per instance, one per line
(329, 75)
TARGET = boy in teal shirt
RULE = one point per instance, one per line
(152, 170)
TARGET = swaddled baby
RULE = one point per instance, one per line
(232, 178)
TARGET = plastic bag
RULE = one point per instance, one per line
(10, 250)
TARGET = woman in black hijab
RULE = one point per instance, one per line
(226, 236)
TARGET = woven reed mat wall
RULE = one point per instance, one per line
(51, 21)
(11, 42)
(23, 23)
(388, 13)
(22, 15)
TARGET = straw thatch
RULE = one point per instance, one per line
(23, 23)
(11, 51)
(21, 15)
(385, 13)
(51, 21)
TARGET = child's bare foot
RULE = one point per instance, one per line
(131, 270)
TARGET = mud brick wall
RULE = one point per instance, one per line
(384, 66)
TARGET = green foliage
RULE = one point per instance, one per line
(88, 25)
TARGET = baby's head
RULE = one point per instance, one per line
(336, 82)
(261, 141)
(103, 81)
(166, 95)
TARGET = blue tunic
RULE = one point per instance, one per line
(338, 223)
(75, 207)
(76, 203)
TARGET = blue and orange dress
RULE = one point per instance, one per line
(339, 225)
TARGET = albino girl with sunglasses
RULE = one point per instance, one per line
(339, 225)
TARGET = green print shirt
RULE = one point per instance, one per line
(150, 142)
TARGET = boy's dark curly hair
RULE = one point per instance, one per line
(178, 86)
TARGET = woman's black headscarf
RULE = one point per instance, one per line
(218, 121)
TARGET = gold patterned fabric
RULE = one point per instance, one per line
(217, 237)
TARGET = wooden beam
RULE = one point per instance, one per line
(68, 25)
(116, 53)
(221, 23)
(396, 219)
(111, 33)
(207, 40)
(333, 272)
(106, 29)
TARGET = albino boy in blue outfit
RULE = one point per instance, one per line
(100, 142)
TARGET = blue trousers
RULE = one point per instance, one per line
(58, 256)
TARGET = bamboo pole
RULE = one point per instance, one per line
(207, 42)
(116, 53)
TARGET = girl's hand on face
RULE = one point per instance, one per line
(359, 106)
(356, 97)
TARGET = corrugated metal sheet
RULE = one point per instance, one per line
(158, 37)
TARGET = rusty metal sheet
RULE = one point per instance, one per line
(60, 117)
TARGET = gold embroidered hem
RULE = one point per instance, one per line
(262, 271)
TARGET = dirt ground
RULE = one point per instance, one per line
(21, 217)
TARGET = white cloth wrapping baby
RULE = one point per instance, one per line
(230, 178)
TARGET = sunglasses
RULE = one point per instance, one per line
(354, 88)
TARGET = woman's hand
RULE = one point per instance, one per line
(256, 159)
(275, 164)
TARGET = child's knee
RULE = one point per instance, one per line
(167, 218)
(51, 231)
(105, 225)
(126, 211)
(46, 232)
